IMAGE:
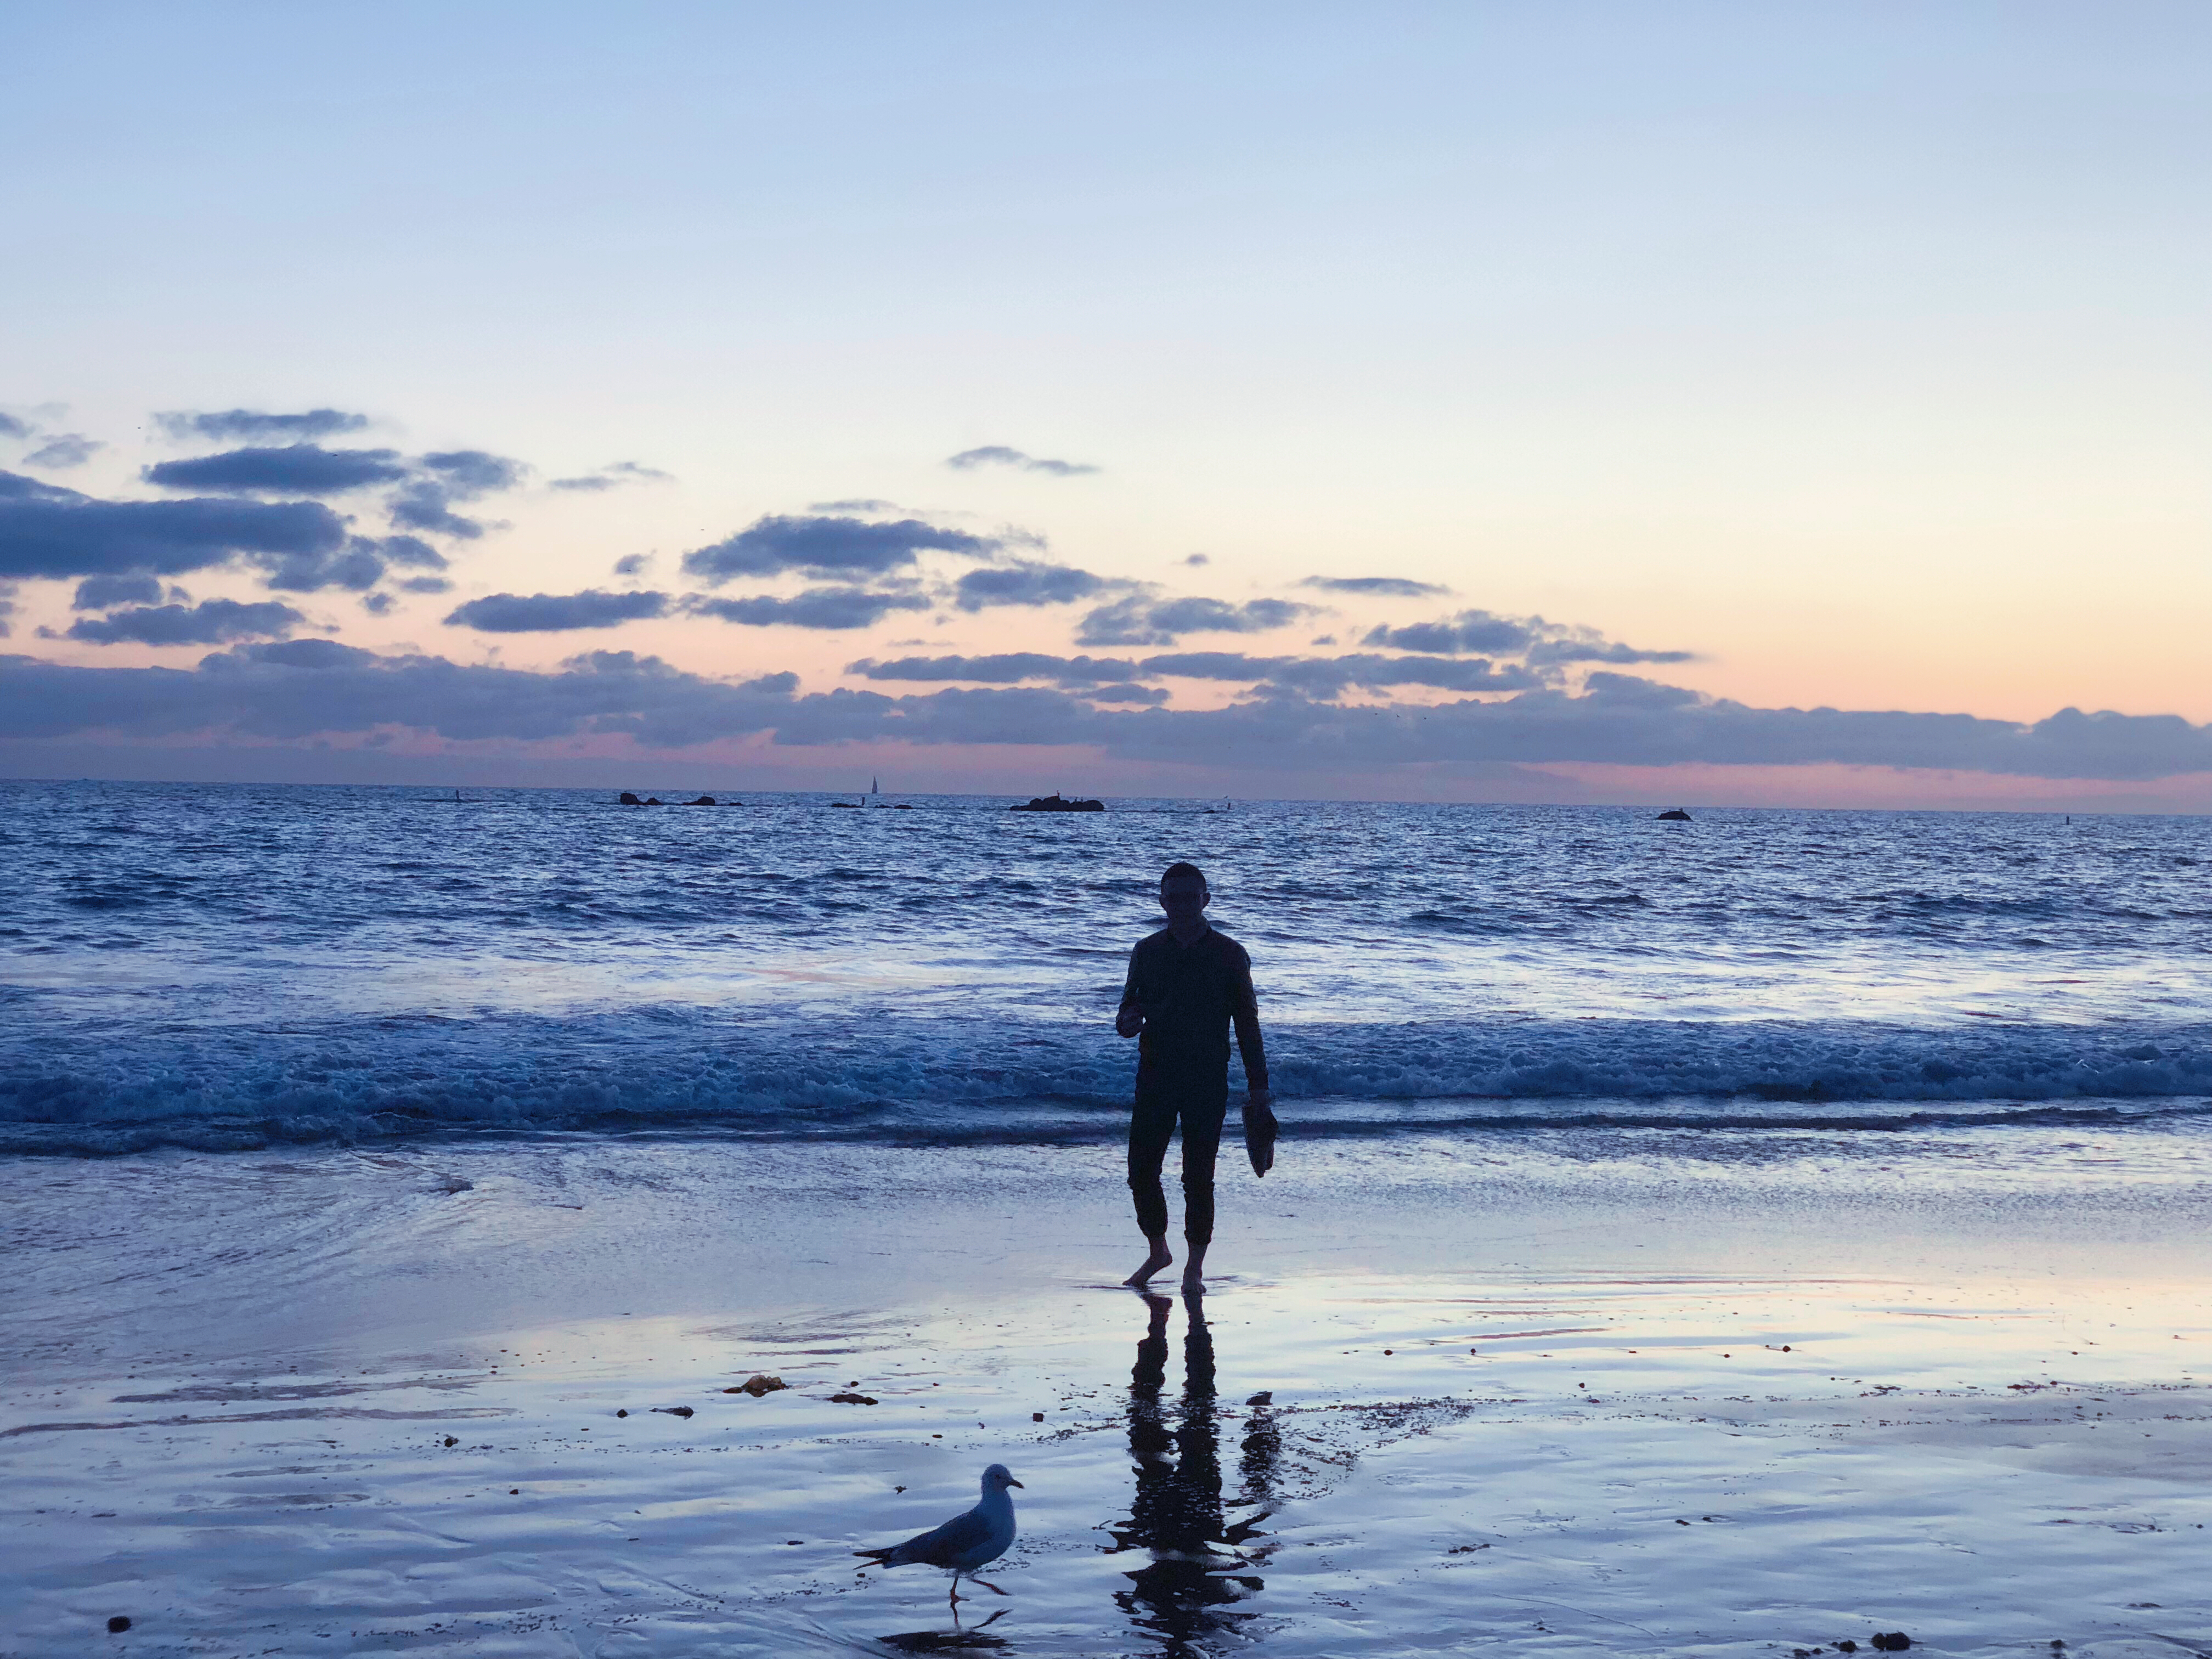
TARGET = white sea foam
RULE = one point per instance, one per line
(947, 1079)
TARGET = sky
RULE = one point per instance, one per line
(1687, 403)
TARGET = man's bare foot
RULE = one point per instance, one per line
(1158, 1259)
(1193, 1274)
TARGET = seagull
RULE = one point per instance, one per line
(966, 1541)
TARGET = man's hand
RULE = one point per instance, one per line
(1260, 1096)
(1129, 1021)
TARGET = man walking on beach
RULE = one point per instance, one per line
(1187, 985)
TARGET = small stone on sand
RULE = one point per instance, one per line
(118, 1625)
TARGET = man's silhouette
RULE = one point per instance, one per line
(1187, 985)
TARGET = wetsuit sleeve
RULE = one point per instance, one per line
(1244, 1012)
(1129, 985)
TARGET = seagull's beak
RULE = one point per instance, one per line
(1016, 1483)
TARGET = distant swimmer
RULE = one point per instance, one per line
(1187, 985)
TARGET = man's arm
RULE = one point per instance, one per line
(1245, 1013)
(1129, 1018)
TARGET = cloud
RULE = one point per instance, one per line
(306, 689)
(426, 584)
(858, 504)
(456, 475)
(358, 565)
(1198, 559)
(233, 425)
(1329, 676)
(1313, 677)
(1394, 588)
(612, 477)
(377, 604)
(1139, 620)
(426, 507)
(106, 592)
(819, 607)
(211, 621)
(1024, 584)
(15, 427)
(553, 613)
(1576, 647)
(302, 468)
(404, 549)
(48, 531)
(1539, 642)
(1002, 668)
(465, 474)
(999, 455)
(828, 547)
(632, 564)
(64, 449)
(427, 484)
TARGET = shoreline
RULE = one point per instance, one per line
(1889, 1398)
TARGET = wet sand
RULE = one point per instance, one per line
(1525, 1398)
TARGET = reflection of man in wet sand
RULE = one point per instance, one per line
(1187, 985)
(1184, 1594)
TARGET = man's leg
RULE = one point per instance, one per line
(1151, 1120)
(1203, 1110)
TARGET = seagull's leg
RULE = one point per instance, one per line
(953, 1595)
(988, 1585)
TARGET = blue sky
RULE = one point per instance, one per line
(1851, 358)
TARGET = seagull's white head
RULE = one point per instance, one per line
(998, 1477)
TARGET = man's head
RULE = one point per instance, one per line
(1183, 895)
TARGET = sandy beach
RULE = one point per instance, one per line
(1528, 1396)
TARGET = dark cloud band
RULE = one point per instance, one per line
(302, 688)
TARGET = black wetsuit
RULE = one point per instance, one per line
(1190, 994)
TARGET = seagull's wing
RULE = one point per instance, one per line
(940, 1546)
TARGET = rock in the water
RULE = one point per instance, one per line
(1892, 1641)
(624, 1413)
(758, 1384)
(853, 1399)
(1052, 803)
(629, 800)
(703, 800)
(453, 1440)
(118, 1625)
(674, 1411)
(1674, 815)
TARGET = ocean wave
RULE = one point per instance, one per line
(69, 1091)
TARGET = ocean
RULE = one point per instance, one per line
(236, 966)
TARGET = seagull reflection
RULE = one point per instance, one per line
(974, 1639)
(1176, 1513)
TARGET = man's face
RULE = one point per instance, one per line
(1184, 899)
